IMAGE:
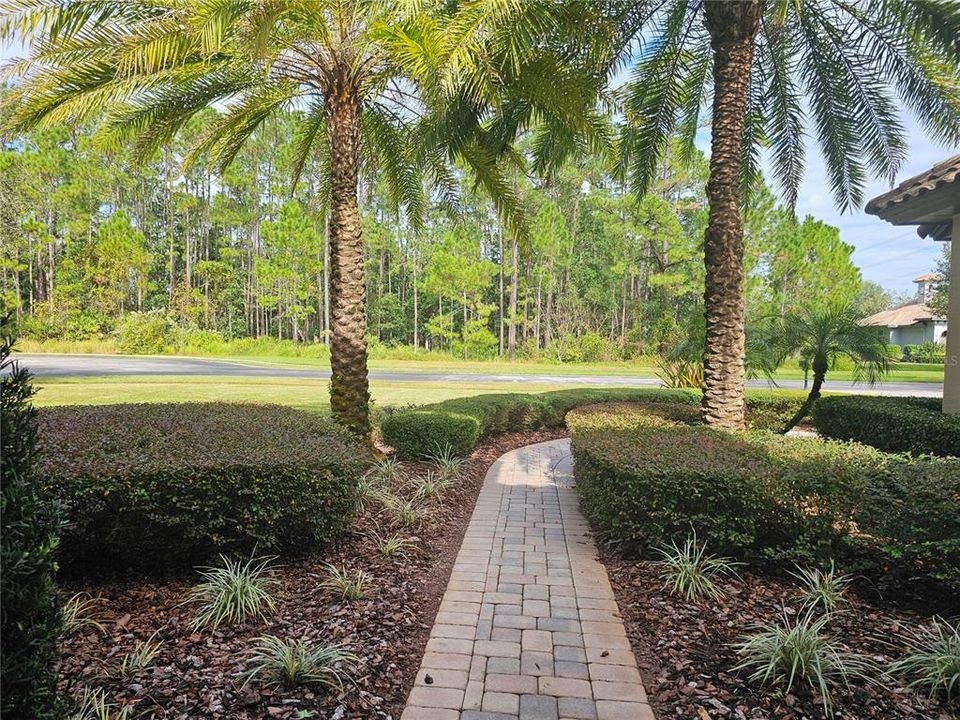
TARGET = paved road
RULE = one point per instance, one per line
(50, 365)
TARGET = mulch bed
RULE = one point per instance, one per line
(685, 657)
(196, 674)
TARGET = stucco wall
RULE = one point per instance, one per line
(912, 334)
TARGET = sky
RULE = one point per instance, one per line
(889, 255)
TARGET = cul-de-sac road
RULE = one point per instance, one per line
(55, 365)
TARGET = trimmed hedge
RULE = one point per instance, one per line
(156, 486)
(759, 495)
(459, 424)
(893, 424)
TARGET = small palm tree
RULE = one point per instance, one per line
(823, 335)
(402, 87)
(772, 69)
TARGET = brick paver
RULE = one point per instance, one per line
(528, 627)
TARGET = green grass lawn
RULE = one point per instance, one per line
(302, 393)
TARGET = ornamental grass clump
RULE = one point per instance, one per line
(822, 589)
(370, 490)
(348, 586)
(932, 660)
(93, 705)
(796, 651)
(448, 464)
(140, 658)
(235, 592)
(294, 663)
(408, 512)
(393, 545)
(386, 471)
(77, 613)
(690, 572)
(430, 486)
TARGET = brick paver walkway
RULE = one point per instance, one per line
(528, 627)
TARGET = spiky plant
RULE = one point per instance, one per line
(370, 490)
(449, 466)
(690, 572)
(294, 663)
(408, 512)
(823, 589)
(797, 650)
(344, 584)
(140, 658)
(431, 486)
(237, 591)
(93, 705)
(386, 471)
(932, 659)
(393, 545)
(78, 613)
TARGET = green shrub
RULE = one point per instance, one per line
(894, 424)
(772, 410)
(894, 352)
(147, 333)
(925, 353)
(421, 433)
(31, 609)
(914, 514)
(459, 424)
(627, 415)
(151, 486)
(760, 495)
(648, 486)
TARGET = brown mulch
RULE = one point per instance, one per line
(685, 656)
(196, 674)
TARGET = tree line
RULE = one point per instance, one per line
(89, 237)
(429, 94)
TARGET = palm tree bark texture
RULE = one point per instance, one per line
(349, 388)
(732, 25)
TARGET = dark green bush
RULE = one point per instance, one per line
(461, 423)
(760, 495)
(894, 424)
(29, 606)
(631, 415)
(419, 433)
(914, 514)
(156, 486)
(772, 409)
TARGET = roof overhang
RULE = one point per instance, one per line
(929, 200)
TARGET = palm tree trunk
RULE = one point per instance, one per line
(819, 375)
(514, 284)
(349, 389)
(733, 26)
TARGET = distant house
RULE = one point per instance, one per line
(913, 323)
(931, 200)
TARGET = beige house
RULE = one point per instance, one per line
(932, 201)
(913, 323)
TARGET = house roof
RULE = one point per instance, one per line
(928, 277)
(902, 316)
(929, 200)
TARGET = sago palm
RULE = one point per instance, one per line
(409, 86)
(822, 335)
(777, 70)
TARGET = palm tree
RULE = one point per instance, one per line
(771, 66)
(407, 87)
(821, 336)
